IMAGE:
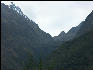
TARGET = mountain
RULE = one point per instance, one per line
(63, 37)
(22, 40)
(24, 46)
(83, 27)
(60, 37)
(76, 54)
(87, 25)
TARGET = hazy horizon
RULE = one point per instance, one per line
(55, 16)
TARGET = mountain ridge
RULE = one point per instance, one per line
(21, 37)
(24, 44)
(76, 30)
(75, 54)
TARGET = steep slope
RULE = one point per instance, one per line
(76, 54)
(87, 25)
(21, 38)
(15, 40)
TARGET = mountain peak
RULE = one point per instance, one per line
(62, 33)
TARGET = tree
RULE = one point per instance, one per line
(40, 64)
(16, 8)
(12, 6)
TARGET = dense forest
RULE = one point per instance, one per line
(24, 46)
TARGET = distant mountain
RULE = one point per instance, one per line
(83, 27)
(22, 40)
(60, 37)
(75, 54)
(69, 35)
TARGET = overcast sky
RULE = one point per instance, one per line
(55, 16)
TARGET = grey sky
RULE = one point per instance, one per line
(55, 16)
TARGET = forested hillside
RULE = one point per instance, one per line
(21, 39)
(24, 46)
(76, 54)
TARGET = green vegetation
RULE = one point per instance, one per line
(73, 55)
(30, 64)
(24, 45)
(40, 65)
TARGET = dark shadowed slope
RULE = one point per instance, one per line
(21, 38)
(76, 54)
